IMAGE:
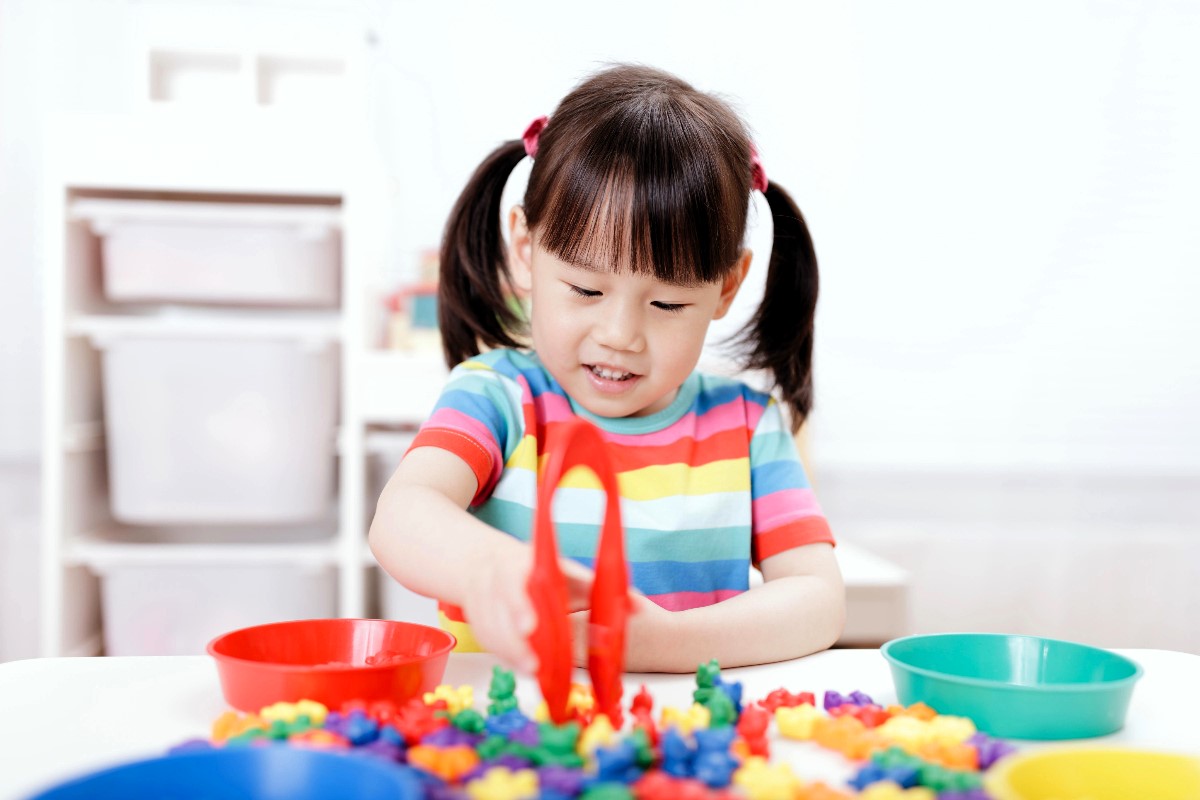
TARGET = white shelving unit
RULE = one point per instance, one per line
(164, 157)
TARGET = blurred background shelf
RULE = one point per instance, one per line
(202, 545)
(205, 303)
(309, 326)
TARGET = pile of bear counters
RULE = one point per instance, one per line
(720, 747)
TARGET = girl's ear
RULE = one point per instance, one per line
(733, 282)
(520, 252)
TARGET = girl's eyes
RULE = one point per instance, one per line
(672, 308)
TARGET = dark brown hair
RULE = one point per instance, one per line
(637, 168)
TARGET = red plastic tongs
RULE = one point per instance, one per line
(578, 443)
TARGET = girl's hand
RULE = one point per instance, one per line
(442, 551)
(645, 614)
(498, 609)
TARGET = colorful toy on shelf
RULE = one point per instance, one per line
(413, 318)
(412, 310)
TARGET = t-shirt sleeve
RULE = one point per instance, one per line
(784, 511)
(477, 418)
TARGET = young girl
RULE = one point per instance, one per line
(628, 245)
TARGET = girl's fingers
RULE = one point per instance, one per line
(513, 651)
(502, 620)
(517, 623)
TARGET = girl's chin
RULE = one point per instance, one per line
(616, 405)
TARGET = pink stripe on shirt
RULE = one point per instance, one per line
(457, 420)
(551, 407)
(754, 413)
(716, 420)
(784, 506)
(682, 601)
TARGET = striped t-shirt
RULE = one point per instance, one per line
(709, 485)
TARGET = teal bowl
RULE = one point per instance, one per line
(1017, 687)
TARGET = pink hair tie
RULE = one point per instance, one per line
(530, 137)
(758, 176)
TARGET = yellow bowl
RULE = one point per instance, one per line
(1095, 773)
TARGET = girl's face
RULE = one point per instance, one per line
(619, 343)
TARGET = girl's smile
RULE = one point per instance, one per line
(611, 380)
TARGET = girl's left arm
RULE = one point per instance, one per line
(799, 609)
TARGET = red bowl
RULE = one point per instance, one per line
(330, 661)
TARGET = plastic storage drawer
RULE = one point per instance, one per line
(217, 253)
(176, 609)
(219, 430)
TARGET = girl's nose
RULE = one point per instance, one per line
(620, 328)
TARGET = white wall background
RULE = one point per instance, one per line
(1004, 199)
(20, 321)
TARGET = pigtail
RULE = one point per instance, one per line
(473, 301)
(780, 334)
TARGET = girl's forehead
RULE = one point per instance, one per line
(596, 254)
(623, 271)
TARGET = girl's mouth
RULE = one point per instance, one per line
(609, 374)
(608, 380)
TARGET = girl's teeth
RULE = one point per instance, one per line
(610, 376)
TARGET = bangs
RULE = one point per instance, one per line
(659, 194)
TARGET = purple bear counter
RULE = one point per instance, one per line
(68, 716)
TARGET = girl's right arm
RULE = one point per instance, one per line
(424, 537)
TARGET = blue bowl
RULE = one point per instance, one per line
(1020, 687)
(252, 773)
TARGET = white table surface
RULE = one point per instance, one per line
(63, 717)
